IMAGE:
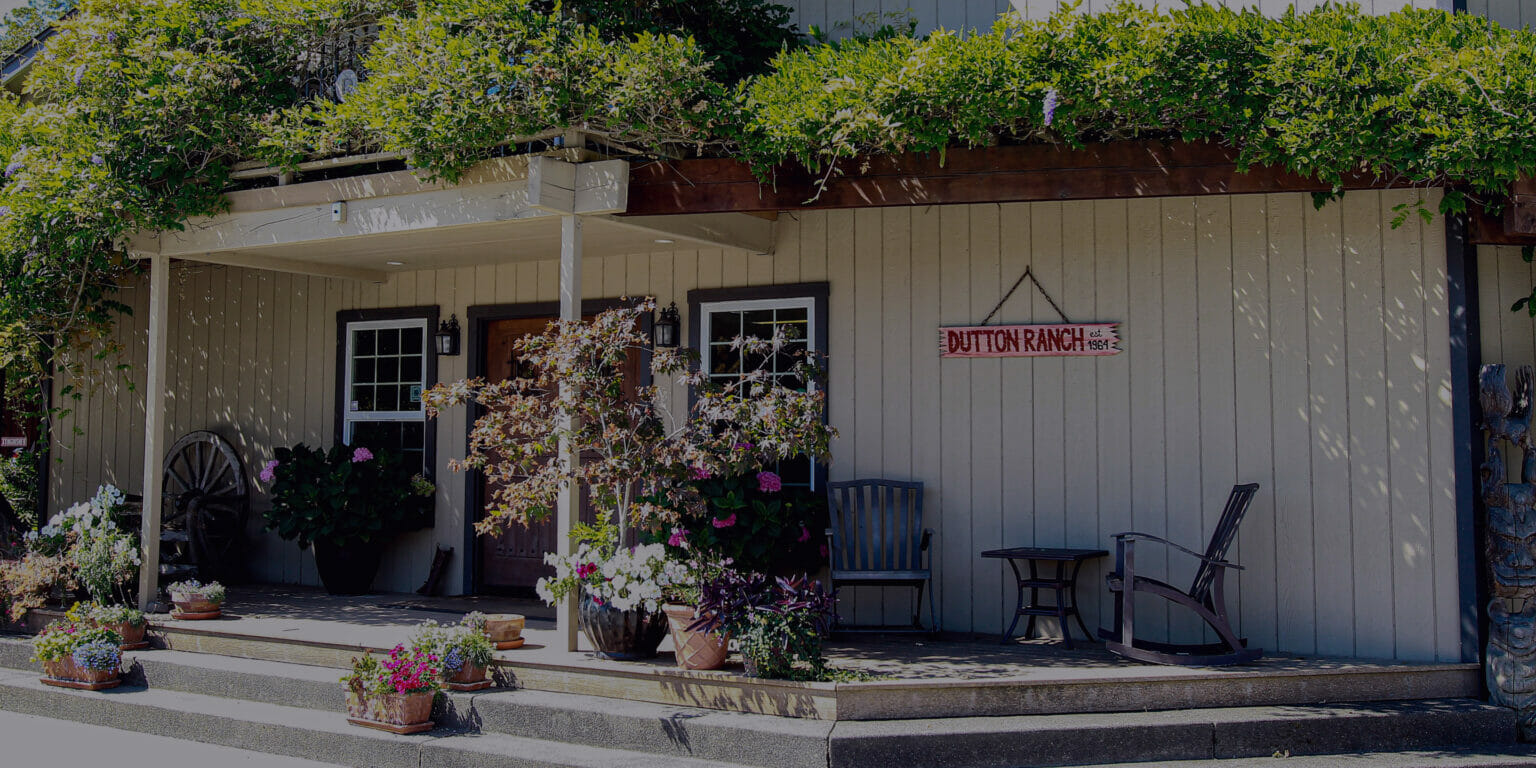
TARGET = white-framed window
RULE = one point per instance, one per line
(721, 322)
(386, 373)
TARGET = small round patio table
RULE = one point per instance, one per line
(1064, 583)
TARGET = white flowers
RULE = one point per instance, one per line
(631, 578)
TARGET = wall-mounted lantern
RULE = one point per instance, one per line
(447, 337)
(664, 332)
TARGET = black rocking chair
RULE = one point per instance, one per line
(1206, 596)
(877, 538)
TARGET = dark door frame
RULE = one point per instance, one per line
(479, 319)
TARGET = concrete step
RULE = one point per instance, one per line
(675, 732)
(298, 732)
(1505, 757)
(1163, 737)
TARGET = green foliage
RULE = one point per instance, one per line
(341, 497)
(1421, 96)
(739, 36)
(19, 486)
(458, 78)
(61, 638)
(769, 532)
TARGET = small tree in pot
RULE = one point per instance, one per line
(348, 502)
(640, 464)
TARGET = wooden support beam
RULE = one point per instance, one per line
(568, 508)
(719, 230)
(556, 186)
(1023, 173)
(154, 428)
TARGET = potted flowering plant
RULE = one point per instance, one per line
(196, 601)
(695, 645)
(395, 694)
(780, 622)
(505, 630)
(348, 503)
(463, 651)
(79, 656)
(619, 590)
(130, 623)
(638, 463)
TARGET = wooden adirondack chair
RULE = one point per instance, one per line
(877, 538)
(1206, 596)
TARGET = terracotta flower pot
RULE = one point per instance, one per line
(393, 712)
(66, 673)
(133, 635)
(191, 606)
(505, 630)
(695, 649)
(469, 678)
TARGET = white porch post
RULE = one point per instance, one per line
(568, 510)
(154, 427)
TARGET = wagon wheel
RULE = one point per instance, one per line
(206, 502)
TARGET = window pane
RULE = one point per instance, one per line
(795, 472)
(387, 399)
(364, 371)
(794, 322)
(758, 324)
(724, 326)
(363, 396)
(724, 360)
(389, 370)
(389, 341)
(410, 369)
(363, 342)
(410, 341)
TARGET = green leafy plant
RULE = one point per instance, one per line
(60, 639)
(453, 646)
(347, 495)
(780, 623)
(212, 591)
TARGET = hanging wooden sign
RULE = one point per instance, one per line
(1058, 340)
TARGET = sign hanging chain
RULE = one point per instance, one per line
(1029, 273)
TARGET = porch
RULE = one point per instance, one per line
(909, 678)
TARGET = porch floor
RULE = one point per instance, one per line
(913, 676)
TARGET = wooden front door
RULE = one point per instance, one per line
(514, 560)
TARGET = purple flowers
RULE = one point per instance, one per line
(805, 534)
(97, 160)
(10, 170)
(1048, 107)
(269, 472)
(79, 73)
(697, 472)
(768, 482)
(725, 522)
(361, 455)
(585, 569)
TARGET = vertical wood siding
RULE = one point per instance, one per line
(1266, 342)
(840, 17)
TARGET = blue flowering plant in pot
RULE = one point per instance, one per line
(463, 651)
(79, 655)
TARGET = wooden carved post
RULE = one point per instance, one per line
(1510, 546)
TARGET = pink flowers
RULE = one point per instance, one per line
(361, 455)
(697, 472)
(725, 523)
(679, 538)
(269, 472)
(768, 482)
(411, 671)
(805, 534)
(585, 569)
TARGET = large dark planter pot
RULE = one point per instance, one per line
(621, 635)
(348, 569)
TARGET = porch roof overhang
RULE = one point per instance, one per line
(1007, 174)
(503, 210)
